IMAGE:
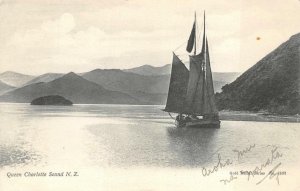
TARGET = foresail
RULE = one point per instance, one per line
(177, 87)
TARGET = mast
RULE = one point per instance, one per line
(204, 64)
(195, 37)
(204, 41)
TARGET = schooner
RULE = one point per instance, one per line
(191, 92)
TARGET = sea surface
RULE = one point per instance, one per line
(122, 147)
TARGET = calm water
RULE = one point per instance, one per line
(115, 146)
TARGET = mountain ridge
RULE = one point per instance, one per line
(5, 87)
(148, 70)
(47, 77)
(14, 78)
(147, 89)
(72, 87)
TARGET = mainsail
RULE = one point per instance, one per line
(194, 98)
(177, 87)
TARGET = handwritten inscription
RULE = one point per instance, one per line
(258, 170)
(275, 154)
(241, 153)
(271, 175)
(219, 165)
(231, 178)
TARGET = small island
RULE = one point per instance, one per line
(51, 100)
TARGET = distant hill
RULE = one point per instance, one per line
(149, 89)
(15, 79)
(115, 79)
(146, 89)
(72, 87)
(218, 85)
(5, 87)
(225, 77)
(45, 78)
(220, 78)
(148, 70)
(272, 84)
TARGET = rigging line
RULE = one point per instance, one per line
(184, 61)
(180, 59)
(179, 55)
(180, 46)
(171, 116)
(182, 54)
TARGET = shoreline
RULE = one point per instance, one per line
(224, 115)
(259, 117)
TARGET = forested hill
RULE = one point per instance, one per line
(272, 84)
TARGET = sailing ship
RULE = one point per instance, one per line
(191, 92)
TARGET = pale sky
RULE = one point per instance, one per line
(39, 36)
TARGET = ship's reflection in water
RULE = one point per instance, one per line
(193, 146)
(149, 144)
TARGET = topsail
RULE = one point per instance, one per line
(191, 40)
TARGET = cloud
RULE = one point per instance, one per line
(63, 25)
(50, 36)
(56, 46)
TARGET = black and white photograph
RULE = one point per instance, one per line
(149, 95)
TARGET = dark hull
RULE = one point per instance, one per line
(199, 123)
